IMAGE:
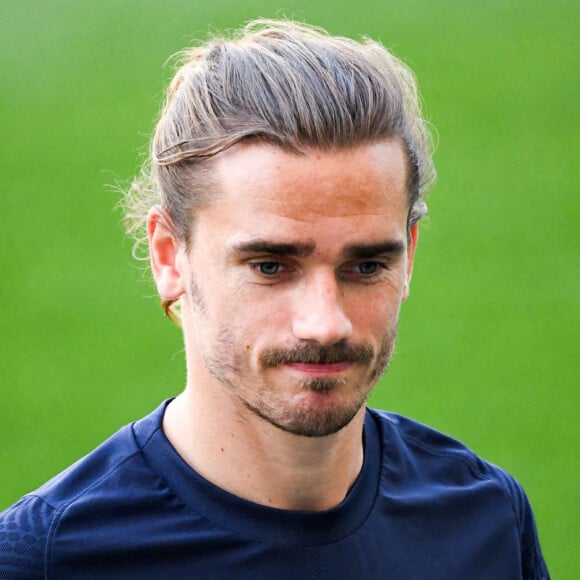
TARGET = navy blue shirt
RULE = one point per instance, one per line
(423, 506)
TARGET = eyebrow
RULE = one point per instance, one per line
(305, 249)
(362, 251)
(259, 246)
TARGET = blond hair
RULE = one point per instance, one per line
(284, 83)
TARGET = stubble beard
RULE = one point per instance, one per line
(226, 362)
(259, 397)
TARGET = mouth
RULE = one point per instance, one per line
(320, 369)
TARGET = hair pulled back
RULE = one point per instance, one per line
(284, 83)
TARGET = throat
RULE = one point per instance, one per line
(262, 464)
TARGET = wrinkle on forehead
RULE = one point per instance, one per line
(367, 181)
(312, 217)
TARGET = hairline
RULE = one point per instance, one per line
(213, 183)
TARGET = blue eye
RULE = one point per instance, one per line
(368, 268)
(269, 268)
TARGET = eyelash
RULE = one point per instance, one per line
(281, 269)
(380, 267)
(257, 266)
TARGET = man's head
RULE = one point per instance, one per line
(282, 83)
(288, 171)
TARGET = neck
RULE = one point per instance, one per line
(245, 455)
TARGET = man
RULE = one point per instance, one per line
(281, 206)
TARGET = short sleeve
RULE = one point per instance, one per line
(533, 564)
(23, 534)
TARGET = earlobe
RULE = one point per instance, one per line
(411, 247)
(164, 252)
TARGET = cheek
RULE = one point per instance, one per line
(253, 324)
(375, 315)
(265, 324)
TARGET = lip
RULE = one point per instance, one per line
(321, 369)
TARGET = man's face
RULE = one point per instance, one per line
(294, 281)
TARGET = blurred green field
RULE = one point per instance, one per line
(488, 345)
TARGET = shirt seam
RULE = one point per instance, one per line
(251, 537)
(59, 511)
(472, 461)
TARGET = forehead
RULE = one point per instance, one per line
(273, 190)
(360, 176)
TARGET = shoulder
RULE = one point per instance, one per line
(23, 532)
(437, 450)
(438, 464)
(28, 527)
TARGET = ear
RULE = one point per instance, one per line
(411, 246)
(164, 253)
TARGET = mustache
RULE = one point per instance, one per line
(310, 353)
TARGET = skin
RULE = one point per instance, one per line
(290, 295)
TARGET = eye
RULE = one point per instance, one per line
(368, 268)
(366, 271)
(268, 268)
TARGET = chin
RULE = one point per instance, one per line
(318, 415)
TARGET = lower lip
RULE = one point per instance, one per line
(321, 369)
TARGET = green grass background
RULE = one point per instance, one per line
(488, 345)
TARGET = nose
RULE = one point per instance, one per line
(319, 313)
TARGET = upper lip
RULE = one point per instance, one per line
(324, 366)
